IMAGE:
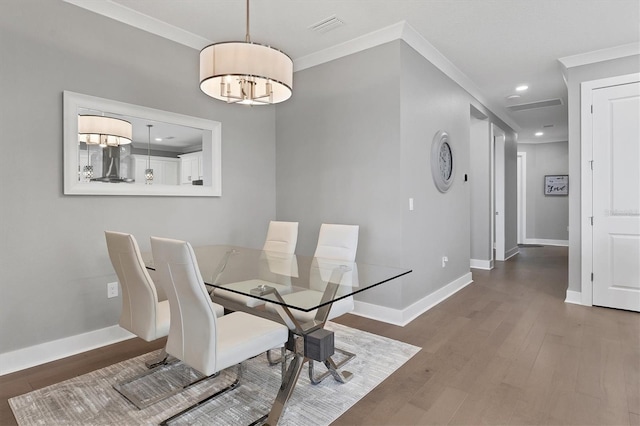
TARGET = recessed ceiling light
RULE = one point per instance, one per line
(158, 139)
(539, 133)
(522, 88)
(513, 96)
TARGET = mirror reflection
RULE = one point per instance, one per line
(117, 148)
(158, 153)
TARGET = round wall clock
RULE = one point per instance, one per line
(442, 161)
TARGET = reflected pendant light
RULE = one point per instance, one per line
(246, 72)
(87, 170)
(104, 131)
(148, 173)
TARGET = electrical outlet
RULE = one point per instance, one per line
(410, 204)
(445, 259)
(112, 290)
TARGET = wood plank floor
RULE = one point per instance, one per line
(504, 350)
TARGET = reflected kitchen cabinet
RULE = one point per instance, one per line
(165, 169)
(191, 168)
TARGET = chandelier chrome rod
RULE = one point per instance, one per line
(149, 126)
(247, 37)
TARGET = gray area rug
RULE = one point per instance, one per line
(91, 400)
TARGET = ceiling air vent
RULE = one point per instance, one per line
(327, 24)
(533, 105)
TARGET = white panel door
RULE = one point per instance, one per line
(616, 196)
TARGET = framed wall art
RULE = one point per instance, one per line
(556, 185)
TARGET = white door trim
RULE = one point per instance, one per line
(492, 195)
(498, 138)
(522, 198)
(586, 183)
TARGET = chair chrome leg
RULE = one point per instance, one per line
(140, 402)
(332, 369)
(224, 390)
(282, 360)
(159, 360)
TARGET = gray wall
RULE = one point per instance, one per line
(440, 224)
(354, 149)
(53, 260)
(547, 216)
(338, 156)
(574, 77)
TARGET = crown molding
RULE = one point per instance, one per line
(399, 31)
(358, 44)
(600, 55)
(433, 55)
(405, 32)
(144, 22)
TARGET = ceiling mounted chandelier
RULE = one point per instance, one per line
(104, 131)
(246, 72)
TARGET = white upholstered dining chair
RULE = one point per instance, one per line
(282, 237)
(336, 243)
(142, 313)
(278, 265)
(196, 336)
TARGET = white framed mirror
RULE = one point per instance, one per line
(169, 154)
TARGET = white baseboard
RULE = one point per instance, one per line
(574, 297)
(511, 252)
(487, 265)
(61, 348)
(51, 351)
(404, 316)
(545, 242)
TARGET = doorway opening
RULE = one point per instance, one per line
(498, 139)
(522, 197)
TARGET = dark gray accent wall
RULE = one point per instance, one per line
(53, 259)
(547, 215)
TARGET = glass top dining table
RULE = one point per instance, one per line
(268, 276)
(221, 265)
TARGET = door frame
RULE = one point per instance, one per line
(586, 181)
(522, 197)
(498, 142)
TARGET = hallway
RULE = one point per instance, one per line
(508, 350)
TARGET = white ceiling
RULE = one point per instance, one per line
(497, 44)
